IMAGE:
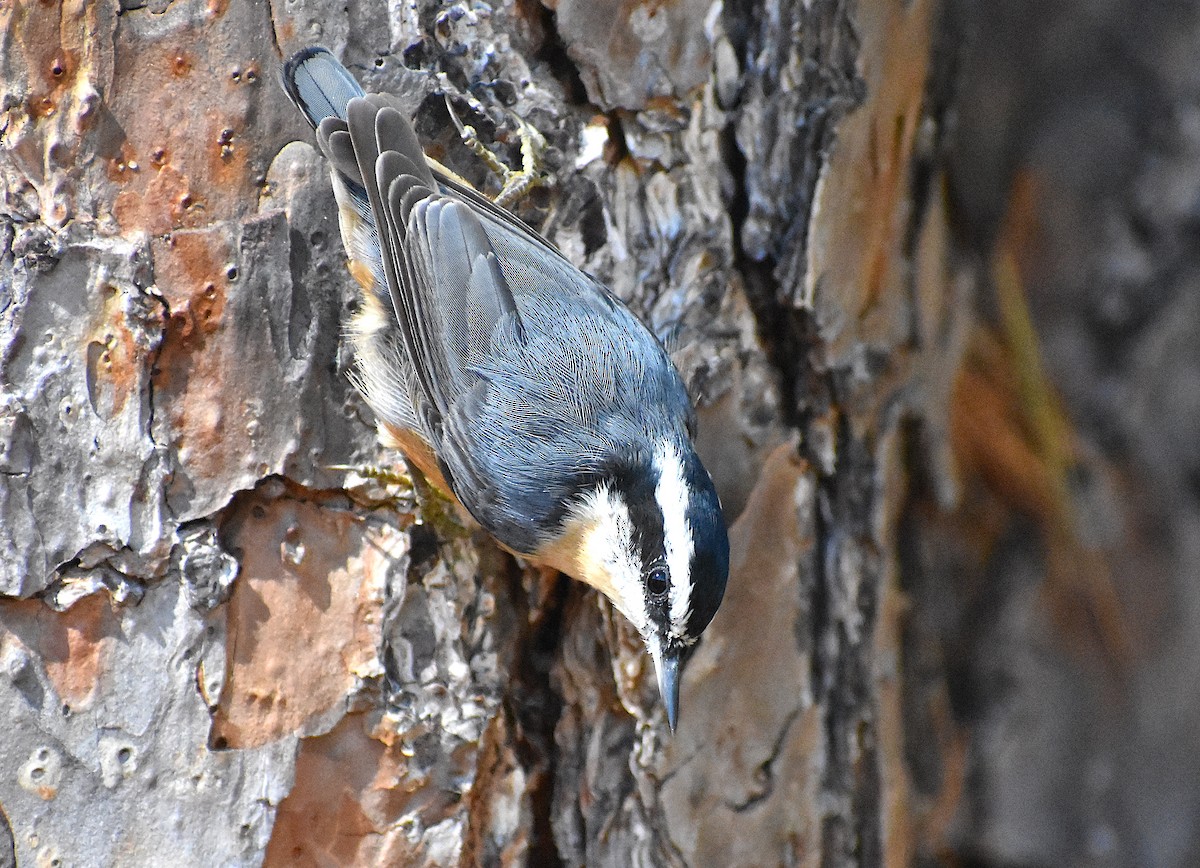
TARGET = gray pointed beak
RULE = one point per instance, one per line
(667, 664)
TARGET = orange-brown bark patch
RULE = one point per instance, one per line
(39, 31)
(344, 803)
(73, 645)
(863, 198)
(303, 621)
(197, 160)
(188, 379)
(115, 360)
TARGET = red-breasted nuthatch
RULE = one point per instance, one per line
(515, 382)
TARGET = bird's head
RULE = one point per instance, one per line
(649, 534)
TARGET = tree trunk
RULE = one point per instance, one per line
(220, 648)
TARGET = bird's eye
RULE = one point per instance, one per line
(656, 582)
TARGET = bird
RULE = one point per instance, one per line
(517, 384)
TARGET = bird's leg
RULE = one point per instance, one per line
(387, 480)
(382, 475)
(517, 184)
(416, 496)
(514, 184)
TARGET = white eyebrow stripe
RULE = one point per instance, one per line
(672, 496)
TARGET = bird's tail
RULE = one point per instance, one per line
(323, 89)
(318, 84)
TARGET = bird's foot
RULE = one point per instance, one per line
(378, 487)
(384, 475)
(515, 184)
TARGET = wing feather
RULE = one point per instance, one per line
(491, 211)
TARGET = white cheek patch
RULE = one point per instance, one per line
(609, 543)
(671, 493)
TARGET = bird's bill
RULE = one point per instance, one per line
(666, 664)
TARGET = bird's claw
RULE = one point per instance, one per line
(515, 184)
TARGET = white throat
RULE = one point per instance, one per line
(606, 554)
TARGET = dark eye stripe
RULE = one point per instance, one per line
(637, 486)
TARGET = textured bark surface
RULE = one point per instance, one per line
(1066, 615)
(216, 645)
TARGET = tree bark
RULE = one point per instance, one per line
(217, 646)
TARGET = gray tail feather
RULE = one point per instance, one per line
(322, 89)
(318, 84)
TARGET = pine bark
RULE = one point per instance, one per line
(218, 645)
